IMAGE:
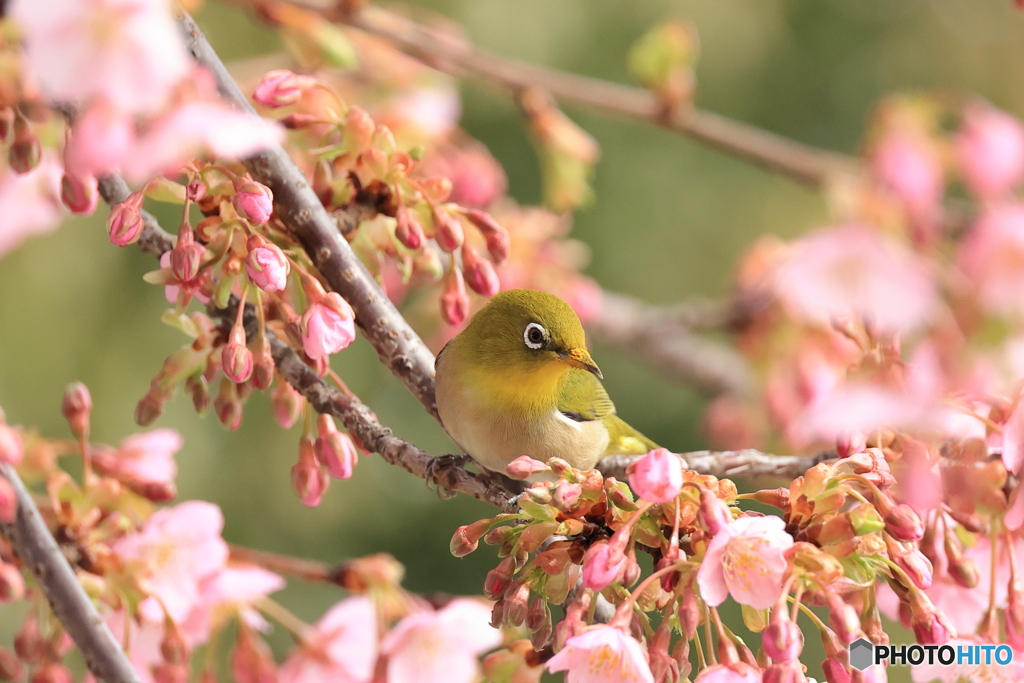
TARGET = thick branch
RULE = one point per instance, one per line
(34, 544)
(724, 464)
(796, 160)
(298, 207)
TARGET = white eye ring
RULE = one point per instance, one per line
(532, 330)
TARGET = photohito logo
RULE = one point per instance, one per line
(864, 653)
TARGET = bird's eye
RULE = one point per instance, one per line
(534, 336)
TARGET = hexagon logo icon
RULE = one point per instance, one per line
(862, 654)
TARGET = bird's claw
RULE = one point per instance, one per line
(439, 471)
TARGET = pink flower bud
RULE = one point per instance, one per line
(447, 230)
(917, 567)
(836, 671)
(28, 643)
(76, 407)
(523, 467)
(930, 626)
(266, 265)
(480, 274)
(848, 443)
(790, 672)
(498, 241)
(308, 477)
(566, 494)
(454, 299)
(236, 358)
(782, 639)
(328, 326)
(990, 149)
(657, 477)
(281, 88)
(12, 584)
(195, 190)
(124, 224)
(359, 129)
(25, 150)
(287, 403)
(169, 673)
(252, 661)
(602, 566)
(1014, 614)
(903, 523)
(149, 408)
(498, 579)
(516, 601)
(51, 672)
(253, 201)
(334, 449)
(79, 193)
(8, 501)
(843, 618)
(713, 512)
(262, 362)
(408, 231)
(10, 666)
(11, 448)
(466, 538)
(228, 405)
(187, 255)
(199, 390)
(173, 648)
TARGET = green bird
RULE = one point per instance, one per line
(519, 380)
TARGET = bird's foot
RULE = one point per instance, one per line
(440, 472)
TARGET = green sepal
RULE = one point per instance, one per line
(167, 191)
(754, 619)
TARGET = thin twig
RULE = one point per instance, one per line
(444, 52)
(35, 545)
(726, 464)
(296, 204)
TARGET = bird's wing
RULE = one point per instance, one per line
(624, 440)
(583, 398)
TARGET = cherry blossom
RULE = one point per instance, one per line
(441, 646)
(30, 203)
(990, 149)
(230, 591)
(341, 649)
(145, 458)
(746, 559)
(992, 257)
(600, 567)
(327, 326)
(906, 161)
(602, 655)
(657, 477)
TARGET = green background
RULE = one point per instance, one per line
(668, 223)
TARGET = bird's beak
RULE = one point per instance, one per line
(580, 358)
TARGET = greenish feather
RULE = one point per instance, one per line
(582, 397)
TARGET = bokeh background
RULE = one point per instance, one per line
(669, 221)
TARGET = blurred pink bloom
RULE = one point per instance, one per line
(281, 87)
(80, 193)
(327, 326)
(737, 672)
(341, 649)
(171, 292)
(1013, 440)
(601, 567)
(990, 149)
(141, 640)
(852, 270)
(229, 592)
(128, 52)
(860, 408)
(981, 672)
(992, 257)
(171, 555)
(908, 163)
(30, 203)
(746, 559)
(145, 458)
(478, 180)
(602, 655)
(12, 447)
(267, 265)
(657, 477)
(434, 111)
(102, 136)
(918, 477)
(441, 646)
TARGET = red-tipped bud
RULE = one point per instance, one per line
(466, 538)
(517, 596)
(782, 639)
(308, 478)
(287, 403)
(187, 255)
(917, 567)
(281, 88)
(150, 407)
(124, 224)
(79, 193)
(199, 390)
(76, 406)
(447, 230)
(930, 626)
(262, 362)
(51, 672)
(480, 274)
(12, 450)
(790, 672)
(843, 618)
(228, 405)
(253, 201)
(335, 449)
(25, 150)
(253, 661)
(498, 241)
(173, 648)
(602, 566)
(29, 643)
(408, 231)
(12, 583)
(498, 579)
(236, 358)
(454, 299)
(836, 671)
(266, 265)
(10, 666)
(848, 443)
(961, 569)
(524, 466)
(566, 494)
(903, 523)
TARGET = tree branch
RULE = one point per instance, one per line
(298, 207)
(35, 545)
(724, 464)
(803, 163)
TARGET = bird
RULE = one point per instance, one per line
(519, 380)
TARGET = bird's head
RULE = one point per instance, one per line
(523, 329)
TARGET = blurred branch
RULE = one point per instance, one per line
(722, 464)
(35, 545)
(298, 207)
(309, 570)
(662, 337)
(447, 53)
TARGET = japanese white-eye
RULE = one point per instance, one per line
(519, 380)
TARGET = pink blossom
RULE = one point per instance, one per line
(128, 52)
(434, 111)
(341, 649)
(254, 201)
(657, 477)
(141, 640)
(957, 671)
(281, 87)
(737, 672)
(992, 257)
(228, 592)
(746, 559)
(267, 265)
(327, 326)
(102, 137)
(12, 447)
(441, 646)
(860, 408)
(852, 271)
(79, 193)
(144, 458)
(990, 149)
(171, 292)
(601, 566)
(30, 203)
(907, 163)
(602, 655)
(171, 555)
(1013, 440)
